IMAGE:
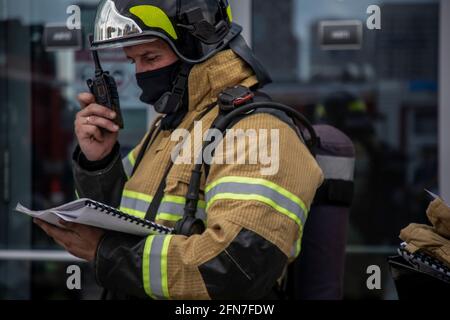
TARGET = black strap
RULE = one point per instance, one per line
(259, 97)
(335, 193)
(151, 213)
(179, 89)
(157, 199)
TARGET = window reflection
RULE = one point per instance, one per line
(381, 92)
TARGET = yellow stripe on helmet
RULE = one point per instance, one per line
(154, 17)
(230, 13)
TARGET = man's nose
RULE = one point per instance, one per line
(139, 67)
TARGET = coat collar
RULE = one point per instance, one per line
(208, 79)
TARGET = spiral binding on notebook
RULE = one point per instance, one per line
(426, 263)
(129, 218)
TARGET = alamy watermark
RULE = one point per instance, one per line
(73, 22)
(73, 281)
(374, 20)
(374, 280)
(246, 147)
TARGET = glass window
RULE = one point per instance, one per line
(39, 82)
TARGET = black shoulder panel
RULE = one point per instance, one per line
(248, 269)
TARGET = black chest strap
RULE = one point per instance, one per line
(157, 199)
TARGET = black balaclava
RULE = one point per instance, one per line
(154, 84)
(157, 82)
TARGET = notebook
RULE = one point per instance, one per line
(96, 214)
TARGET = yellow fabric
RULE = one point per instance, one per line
(299, 177)
(433, 240)
(137, 195)
(439, 215)
(132, 159)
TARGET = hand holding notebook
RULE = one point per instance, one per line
(92, 213)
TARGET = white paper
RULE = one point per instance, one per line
(78, 212)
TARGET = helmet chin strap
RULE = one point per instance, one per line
(171, 102)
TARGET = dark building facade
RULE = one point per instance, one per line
(270, 37)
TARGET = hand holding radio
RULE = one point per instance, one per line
(104, 89)
(98, 123)
(95, 128)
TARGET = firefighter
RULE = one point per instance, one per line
(186, 53)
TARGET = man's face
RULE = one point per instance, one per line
(151, 56)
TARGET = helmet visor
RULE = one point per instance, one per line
(112, 28)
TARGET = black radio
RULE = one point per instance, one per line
(104, 88)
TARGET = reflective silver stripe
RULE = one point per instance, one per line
(177, 209)
(166, 207)
(135, 204)
(127, 166)
(337, 168)
(155, 266)
(257, 189)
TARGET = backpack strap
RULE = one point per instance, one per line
(242, 94)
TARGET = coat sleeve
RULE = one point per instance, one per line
(103, 181)
(255, 221)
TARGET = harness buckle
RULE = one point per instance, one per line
(234, 97)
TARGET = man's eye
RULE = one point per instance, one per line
(151, 59)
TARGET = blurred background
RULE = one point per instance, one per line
(381, 87)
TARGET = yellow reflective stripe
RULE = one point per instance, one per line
(174, 199)
(132, 212)
(256, 197)
(154, 267)
(76, 194)
(128, 164)
(131, 158)
(263, 182)
(146, 266)
(128, 196)
(154, 17)
(168, 217)
(137, 195)
(297, 247)
(230, 13)
(182, 200)
(172, 209)
(164, 273)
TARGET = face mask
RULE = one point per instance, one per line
(156, 83)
